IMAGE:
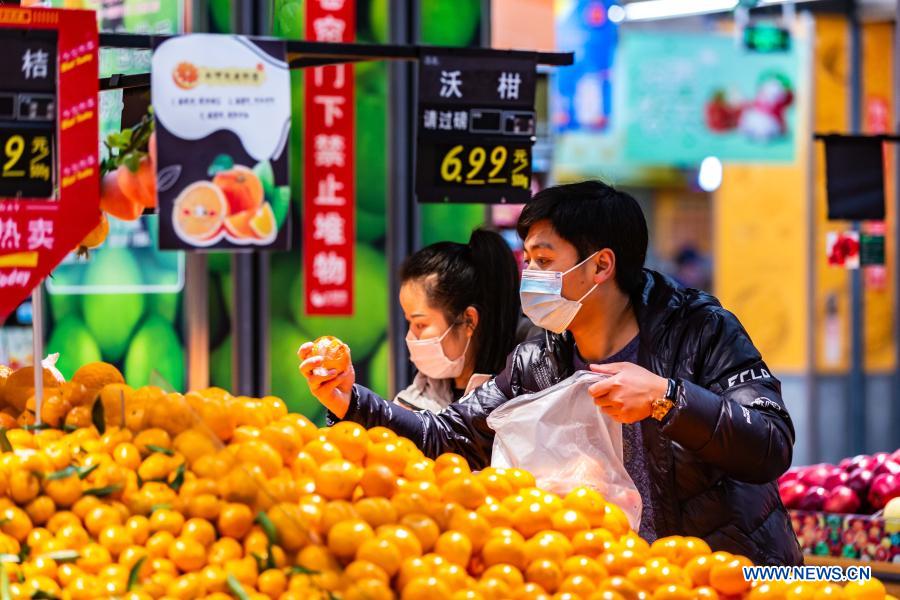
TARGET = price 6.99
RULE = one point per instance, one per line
(477, 165)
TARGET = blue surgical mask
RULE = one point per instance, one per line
(542, 299)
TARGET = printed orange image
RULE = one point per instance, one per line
(199, 214)
(242, 188)
(186, 75)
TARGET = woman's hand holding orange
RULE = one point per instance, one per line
(326, 365)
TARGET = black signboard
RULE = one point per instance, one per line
(27, 113)
(854, 172)
(476, 127)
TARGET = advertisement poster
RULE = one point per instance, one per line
(50, 195)
(329, 187)
(222, 108)
(693, 96)
(587, 105)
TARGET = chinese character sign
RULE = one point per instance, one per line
(476, 128)
(329, 196)
(222, 106)
(49, 181)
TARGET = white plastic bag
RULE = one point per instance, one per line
(562, 438)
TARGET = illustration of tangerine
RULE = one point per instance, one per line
(242, 189)
(199, 213)
(186, 75)
(238, 226)
(263, 224)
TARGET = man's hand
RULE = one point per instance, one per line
(329, 387)
(626, 395)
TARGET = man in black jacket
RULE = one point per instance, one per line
(705, 430)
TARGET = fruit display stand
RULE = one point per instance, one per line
(843, 540)
(147, 493)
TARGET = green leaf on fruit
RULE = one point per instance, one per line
(4, 441)
(42, 595)
(268, 527)
(265, 174)
(98, 416)
(236, 588)
(104, 491)
(281, 202)
(301, 570)
(178, 481)
(159, 449)
(222, 162)
(83, 472)
(4, 583)
(61, 556)
(134, 574)
(62, 473)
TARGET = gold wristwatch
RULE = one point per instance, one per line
(660, 407)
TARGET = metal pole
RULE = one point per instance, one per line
(250, 319)
(37, 348)
(814, 445)
(196, 319)
(896, 233)
(857, 380)
(402, 209)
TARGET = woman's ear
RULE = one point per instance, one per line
(604, 265)
(470, 318)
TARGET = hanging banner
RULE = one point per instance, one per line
(222, 106)
(329, 186)
(689, 96)
(49, 182)
(476, 128)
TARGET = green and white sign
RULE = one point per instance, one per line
(692, 96)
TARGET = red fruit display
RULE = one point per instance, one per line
(842, 499)
(813, 500)
(791, 493)
(884, 488)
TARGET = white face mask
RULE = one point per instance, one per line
(542, 299)
(429, 358)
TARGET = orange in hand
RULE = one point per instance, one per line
(334, 351)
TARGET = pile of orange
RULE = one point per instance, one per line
(206, 495)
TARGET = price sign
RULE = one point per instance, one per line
(28, 114)
(49, 181)
(476, 129)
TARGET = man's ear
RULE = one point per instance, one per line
(604, 263)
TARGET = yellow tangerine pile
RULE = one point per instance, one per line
(209, 495)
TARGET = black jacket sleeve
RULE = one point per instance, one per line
(730, 413)
(461, 427)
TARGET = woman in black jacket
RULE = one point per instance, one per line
(705, 430)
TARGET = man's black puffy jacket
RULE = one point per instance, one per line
(713, 459)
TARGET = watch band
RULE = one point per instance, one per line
(660, 407)
(671, 390)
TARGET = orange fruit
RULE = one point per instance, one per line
(378, 480)
(187, 554)
(615, 520)
(381, 434)
(584, 565)
(466, 491)
(367, 589)
(588, 502)
(728, 578)
(455, 547)
(472, 525)
(621, 586)
(504, 550)
(871, 589)
(424, 528)
(235, 520)
(389, 454)
(673, 592)
(404, 539)
(360, 570)
(346, 537)
(199, 213)
(591, 543)
(548, 544)
(382, 553)
(532, 517)
(322, 451)
(580, 585)
(496, 514)
(426, 588)
(570, 522)
(337, 356)
(349, 437)
(272, 583)
(337, 479)
(376, 511)
(96, 375)
(546, 573)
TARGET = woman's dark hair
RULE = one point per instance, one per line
(591, 216)
(482, 274)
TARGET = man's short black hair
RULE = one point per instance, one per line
(592, 215)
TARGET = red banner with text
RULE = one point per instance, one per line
(329, 176)
(49, 170)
